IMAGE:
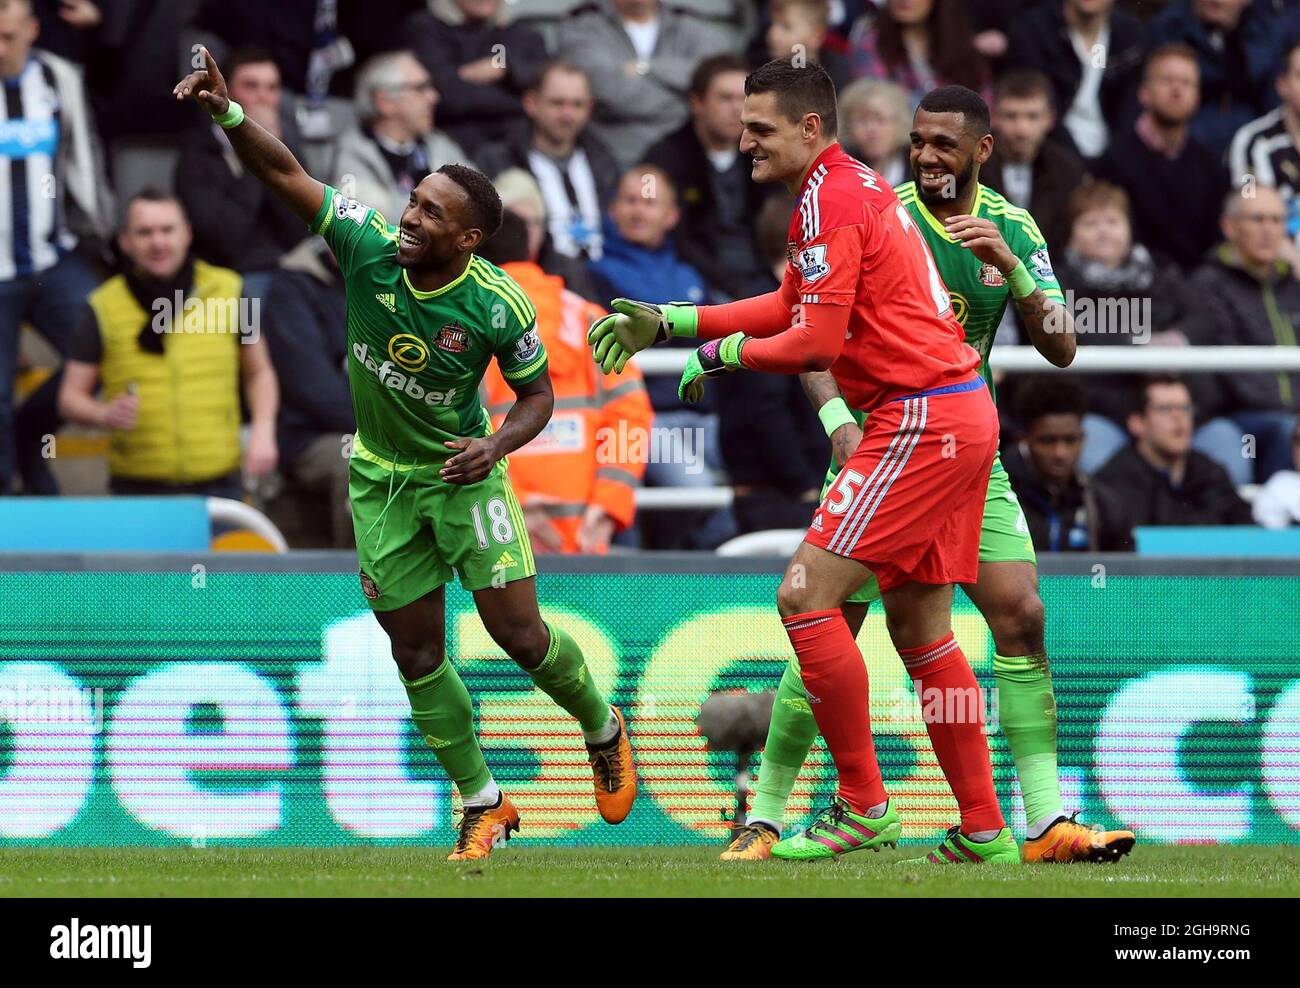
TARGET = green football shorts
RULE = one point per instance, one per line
(413, 529)
(1004, 534)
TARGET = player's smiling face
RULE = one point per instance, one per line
(944, 155)
(435, 228)
(780, 149)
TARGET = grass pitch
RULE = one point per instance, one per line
(515, 870)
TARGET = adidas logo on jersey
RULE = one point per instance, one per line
(388, 301)
(817, 523)
(505, 561)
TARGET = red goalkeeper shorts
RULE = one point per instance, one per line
(909, 503)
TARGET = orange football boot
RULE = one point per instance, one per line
(1067, 841)
(483, 828)
(753, 842)
(614, 774)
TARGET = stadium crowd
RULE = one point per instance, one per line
(1156, 143)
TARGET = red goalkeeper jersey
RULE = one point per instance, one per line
(852, 243)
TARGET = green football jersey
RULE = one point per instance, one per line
(416, 359)
(979, 291)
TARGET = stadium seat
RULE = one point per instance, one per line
(134, 524)
(141, 164)
(772, 542)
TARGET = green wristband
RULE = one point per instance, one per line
(683, 318)
(1021, 282)
(834, 414)
(232, 118)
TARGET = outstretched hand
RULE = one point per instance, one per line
(207, 86)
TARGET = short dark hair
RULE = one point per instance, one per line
(799, 89)
(509, 243)
(1024, 84)
(247, 55)
(710, 68)
(484, 203)
(1285, 65)
(557, 65)
(1049, 394)
(1142, 391)
(959, 99)
(1170, 49)
(151, 193)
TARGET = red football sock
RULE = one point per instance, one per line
(954, 715)
(835, 679)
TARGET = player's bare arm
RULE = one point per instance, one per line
(1051, 327)
(820, 387)
(526, 418)
(264, 155)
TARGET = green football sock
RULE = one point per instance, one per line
(789, 737)
(564, 678)
(441, 709)
(1027, 710)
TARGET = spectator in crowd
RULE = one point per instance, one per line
(1238, 45)
(1266, 149)
(1092, 53)
(521, 194)
(1066, 510)
(799, 27)
(1034, 173)
(1164, 481)
(776, 484)
(55, 197)
(575, 172)
(920, 45)
(395, 143)
(238, 222)
(1252, 298)
(641, 257)
(481, 64)
(302, 37)
(304, 320)
(1121, 295)
(639, 56)
(876, 127)
(719, 200)
(1175, 183)
(1277, 503)
(577, 480)
(131, 57)
(69, 27)
(170, 373)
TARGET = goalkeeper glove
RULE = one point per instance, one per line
(633, 326)
(715, 358)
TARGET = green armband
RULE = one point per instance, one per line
(683, 318)
(232, 118)
(1021, 282)
(834, 414)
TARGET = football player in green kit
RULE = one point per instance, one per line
(428, 484)
(988, 252)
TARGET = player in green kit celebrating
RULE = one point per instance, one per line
(428, 484)
(988, 252)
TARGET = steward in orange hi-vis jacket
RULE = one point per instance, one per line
(577, 475)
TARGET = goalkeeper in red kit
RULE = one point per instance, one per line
(861, 297)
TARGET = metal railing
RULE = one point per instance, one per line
(1140, 359)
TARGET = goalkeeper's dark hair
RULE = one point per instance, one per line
(959, 99)
(484, 203)
(799, 89)
(1049, 394)
(509, 243)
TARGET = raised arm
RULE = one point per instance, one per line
(262, 153)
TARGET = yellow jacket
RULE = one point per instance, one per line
(187, 427)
